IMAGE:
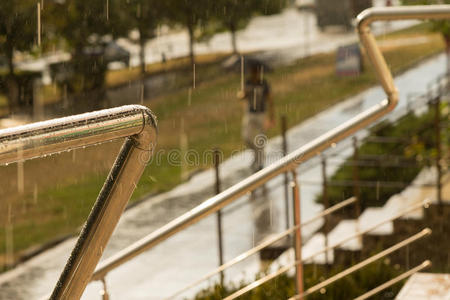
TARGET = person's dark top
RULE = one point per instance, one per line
(256, 95)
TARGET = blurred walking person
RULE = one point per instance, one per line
(259, 113)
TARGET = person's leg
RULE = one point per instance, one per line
(246, 131)
(249, 133)
(260, 141)
(255, 138)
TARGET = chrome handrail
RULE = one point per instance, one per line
(286, 268)
(298, 156)
(264, 244)
(425, 232)
(138, 125)
(393, 281)
(315, 147)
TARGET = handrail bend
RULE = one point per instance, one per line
(302, 154)
(138, 125)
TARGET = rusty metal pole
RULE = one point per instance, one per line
(356, 190)
(326, 205)
(219, 212)
(286, 176)
(298, 235)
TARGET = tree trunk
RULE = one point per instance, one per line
(191, 43)
(447, 51)
(10, 57)
(142, 41)
(233, 38)
(11, 80)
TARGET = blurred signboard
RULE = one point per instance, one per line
(348, 60)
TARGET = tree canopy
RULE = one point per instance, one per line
(84, 27)
(144, 16)
(194, 15)
(236, 14)
(84, 24)
(18, 32)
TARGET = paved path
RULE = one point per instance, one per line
(176, 262)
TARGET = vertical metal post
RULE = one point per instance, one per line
(9, 239)
(38, 24)
(102, 220)
(326, 206)
(286, 175)
(183, 149)
(219, 212)
(298, 235)
(20, 172)
(104, 292)
(356, 190)
(437, 126)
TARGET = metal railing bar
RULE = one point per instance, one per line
(284, 269)
(138, 125)
(425, 204)
(263, 245)
(217, 202)
(64, 134)
(367, 184)
(385, 139)
(259, 282)
(313, 148)
(393, 281)
(372, 157)
(378, 163)
(344, 146)
(323, 250)
(419, 12)
(363, 263)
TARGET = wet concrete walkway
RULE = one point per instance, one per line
(176, 262)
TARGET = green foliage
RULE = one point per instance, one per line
(143, 15)
(442, 26)
(194, 15)
(84, 24)
(18, 30)
(415, 134)
(235, 14)
(349, 287)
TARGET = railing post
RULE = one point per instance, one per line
(9, 239)
(286, 176)
(183, 149)
(356, 190)
(104, 291)
(298, 235)
(326, 205)
(20, 172)
(219, 212)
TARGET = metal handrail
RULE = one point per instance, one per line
(287, 163)
(264, 244)
(135, 123)
(286, 268)
(302, 154)
(393, 281)
(315, 288)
